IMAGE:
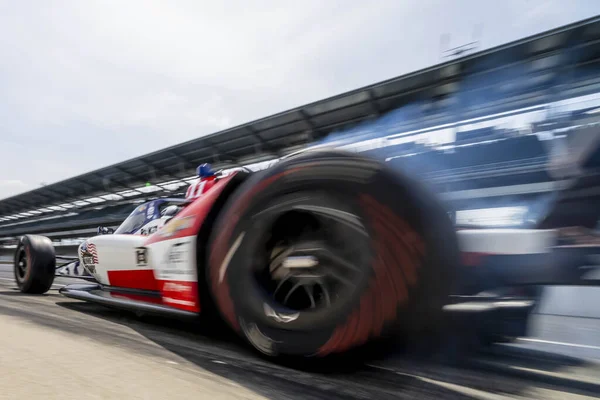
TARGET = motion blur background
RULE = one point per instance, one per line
(487, 129)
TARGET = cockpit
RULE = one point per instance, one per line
(148, 212)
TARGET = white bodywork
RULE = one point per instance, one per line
(118, 252)
(114, 253)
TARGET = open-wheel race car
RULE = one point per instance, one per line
(320, 253)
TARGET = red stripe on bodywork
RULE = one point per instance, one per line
(180, 294)
(133, 279)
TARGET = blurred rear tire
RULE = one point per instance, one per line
(34, 264)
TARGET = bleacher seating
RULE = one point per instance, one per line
(522, 157)
(114, 214)
(474, 136)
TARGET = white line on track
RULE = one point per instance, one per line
(467, 391)
(583, 346)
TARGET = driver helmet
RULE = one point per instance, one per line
(170, 211)
(204, 171)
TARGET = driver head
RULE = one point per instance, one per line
(170, 211)
(205, 170)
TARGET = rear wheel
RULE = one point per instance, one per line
(35, 264)
(328, 250)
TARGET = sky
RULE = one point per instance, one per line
(85, 84)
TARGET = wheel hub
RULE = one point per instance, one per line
(309, 275)
(310, 258)
(294, 262)
(21, 266)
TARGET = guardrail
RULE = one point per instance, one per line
(571, 301)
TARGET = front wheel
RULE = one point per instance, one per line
(35, 264)
(327, 251)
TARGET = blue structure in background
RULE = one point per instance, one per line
(508, 147)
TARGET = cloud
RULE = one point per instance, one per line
(86, 84)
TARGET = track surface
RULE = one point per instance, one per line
(53, 347)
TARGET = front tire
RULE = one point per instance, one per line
(35, 264)
(380, 248)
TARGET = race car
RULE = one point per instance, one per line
(321, 253)
(144, 220)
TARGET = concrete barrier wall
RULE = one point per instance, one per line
(575, 301)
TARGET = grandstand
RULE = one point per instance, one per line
(475, 128)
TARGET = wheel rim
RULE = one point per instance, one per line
(21, 267)
(310, 275)
(311, 269)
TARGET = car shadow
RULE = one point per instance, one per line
(219, 351)
(224, 354)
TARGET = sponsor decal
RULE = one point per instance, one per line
(89, 256)
(148, 231)
(180, 294)
(150, 212)
(176, 287)
(141, 257)
(176, 225)
(176, 260)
